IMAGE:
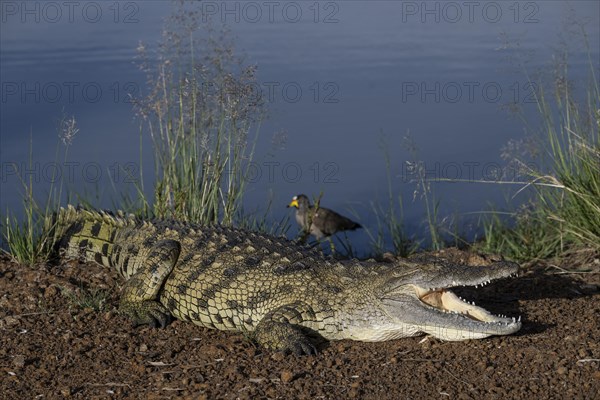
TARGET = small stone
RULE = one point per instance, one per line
(88, 311)
(278, 356)
(143, 348)
(561, 370)
(139, 368)
(9, 321)
(66, 391)
(212, 351)
(596, 375)
(50, 292)
(19, 361)
(109, 315)
(341, 361)
(287, 376)
(251, 351)
(342, 347)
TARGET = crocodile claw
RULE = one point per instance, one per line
(159, 318)
(304, 348)
(297, 346)
(281, 336)
(146, 312)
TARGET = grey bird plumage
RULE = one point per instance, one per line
(323, 221)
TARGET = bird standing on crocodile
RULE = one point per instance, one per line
(323, 222)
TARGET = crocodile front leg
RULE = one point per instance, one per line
(280, 330)
(139, 300)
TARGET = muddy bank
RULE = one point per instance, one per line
(53, 344)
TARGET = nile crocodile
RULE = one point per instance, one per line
(281, 293)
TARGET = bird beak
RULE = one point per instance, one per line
(294, 203)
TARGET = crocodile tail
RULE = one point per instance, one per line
(88, 235)
(63, 219)
(60, 226)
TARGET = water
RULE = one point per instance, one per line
(344, 75)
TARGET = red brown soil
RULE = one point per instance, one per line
(52, 348)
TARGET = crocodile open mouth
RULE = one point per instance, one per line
(446, 301)
(430, 306)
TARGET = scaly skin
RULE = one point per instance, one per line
(281, 293)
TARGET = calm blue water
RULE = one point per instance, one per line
(344, 75)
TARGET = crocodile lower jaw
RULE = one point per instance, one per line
(451, 318)
(447, 301)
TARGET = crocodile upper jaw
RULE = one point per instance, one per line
(447, 301)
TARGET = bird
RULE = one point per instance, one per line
(323, 221)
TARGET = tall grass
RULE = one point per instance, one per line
(203, 115)
(525, 238)
(569, 194)
(565, 209)
(31, 240)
